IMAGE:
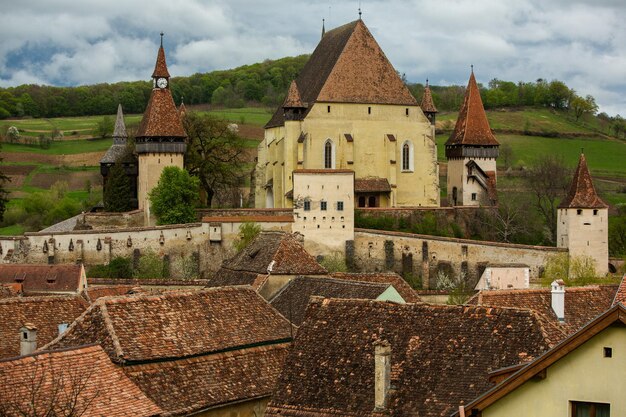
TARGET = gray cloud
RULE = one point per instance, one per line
(65, 42)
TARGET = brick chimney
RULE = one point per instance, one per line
(558, 299)
(382, 373)
(28, 339)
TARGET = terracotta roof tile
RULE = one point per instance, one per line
(427, 105)
(160, 67)
(161, 118)
(403, 288)
(348, 66)
(119, 133)
(292, 300)
(93, 293)
(582, 193)
(43, 278)
(472, 126)
(441, 356)
(372, 185)
(286, 253)
(46, 313)
(620, 295)
(102, 388)
(293, 97)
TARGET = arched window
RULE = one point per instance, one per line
(407, 156)
(329, 154)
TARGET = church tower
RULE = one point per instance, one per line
(471, 151)
(160, 139)
(583, 220)
(428, 106)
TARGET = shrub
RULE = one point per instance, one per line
(98, 271)
(557, 267)
(415, 281)
(174, 198)
(247, 232)
(582, 270)
(121, 267)
(334, 263)
(150, 266)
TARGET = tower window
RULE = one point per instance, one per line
(608, 352)
(407, 156)
(579, 212)
(369, 110)
(406, 111)
(474, 196)
(595, 212)
(329, 154)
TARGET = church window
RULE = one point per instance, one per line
(328, 109)
(407, 156)
(329, 154)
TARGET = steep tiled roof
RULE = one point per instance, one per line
(160, 67)
(205, 381)
(620, 295)
(293, 96)
(427, 105)
(440, 356)
(119, 133)
(348, 66)
(176, 324)
(371, 185)
(84, 374)
(472, 126)
(45, 313)
(286, 253)
(293, 299)
(582, 304)
(113, 154)
(43, 278)
(93, 293)
(161, 118)
(582, 193)
(403, 288)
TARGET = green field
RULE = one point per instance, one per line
(63, 147)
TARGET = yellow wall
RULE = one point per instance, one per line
(150, 168)
(371, 153)
(458, 177)
(583, 375)
(585, 234)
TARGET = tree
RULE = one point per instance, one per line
(247, 232)
(506, 152)
(105, 127)
(215, 154)
(174, 198)
(118, 193)
(581, 106)
(548, 180)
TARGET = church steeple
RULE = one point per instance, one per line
(428, 107)
(582, 193)
(160, 69)
(323, 29)
(119, 133)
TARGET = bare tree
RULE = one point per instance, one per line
(548, 179)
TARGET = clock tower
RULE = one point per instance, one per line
(160, 139)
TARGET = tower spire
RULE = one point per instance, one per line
(162, 39)
(323, 28)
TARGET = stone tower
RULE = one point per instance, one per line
(427, 105)
(471, 151)
(160, 139)
(583, 220)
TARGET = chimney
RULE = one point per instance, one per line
(28, 339)
(558, 299)
(382, 373)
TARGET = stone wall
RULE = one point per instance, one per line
(106, 221)
(424, 256)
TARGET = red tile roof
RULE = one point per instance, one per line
(161, 118)
(582, 193)
(441, 356)
(57, 378)
(427, 105)
(620, 295)
(45, 313)
(348, 66)
(160, 68)
(472, 126)
(43, 278)
(293, 98)
(93, 293)
(372, 185)
(403, 288)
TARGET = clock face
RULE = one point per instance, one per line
(161, 83)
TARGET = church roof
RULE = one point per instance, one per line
(582, 193)
(472, 126)
(161, 117)
(427, 104)
(119, 133)
(348, 66)
(293, 96)
(160, 68)
(182, 110)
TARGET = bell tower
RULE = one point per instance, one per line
(161, 138)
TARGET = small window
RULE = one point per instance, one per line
(369, 110)
(474, 196)
(340, 206)
(579, 212)
(595, 212)
(583, 409)
(608, 352)
(307, 206)
(406, 111)
(328, 109)
(323, 205)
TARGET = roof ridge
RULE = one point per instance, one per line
(128, 298)
(108, 323)
(40, 298)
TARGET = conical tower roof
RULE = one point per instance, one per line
(160, 68)
(427, 104)
(182, 110)
(119, 133)
(582, 193)
(472, 126)
(293, 99)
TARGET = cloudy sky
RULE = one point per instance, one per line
(73, 42)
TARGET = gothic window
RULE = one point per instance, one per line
(407, 156)
(329, 154)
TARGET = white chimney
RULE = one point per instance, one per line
(382, 373)
(28, 339)
(558, 299)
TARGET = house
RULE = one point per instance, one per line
(581, 376)
(292, 300)
(47, 316)
(472, 150)
(349, 109)
(563, 309)
(45, 279)
(208, 353)
(271, 260)
(375, 358)
(80, 381)
(404, 289)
